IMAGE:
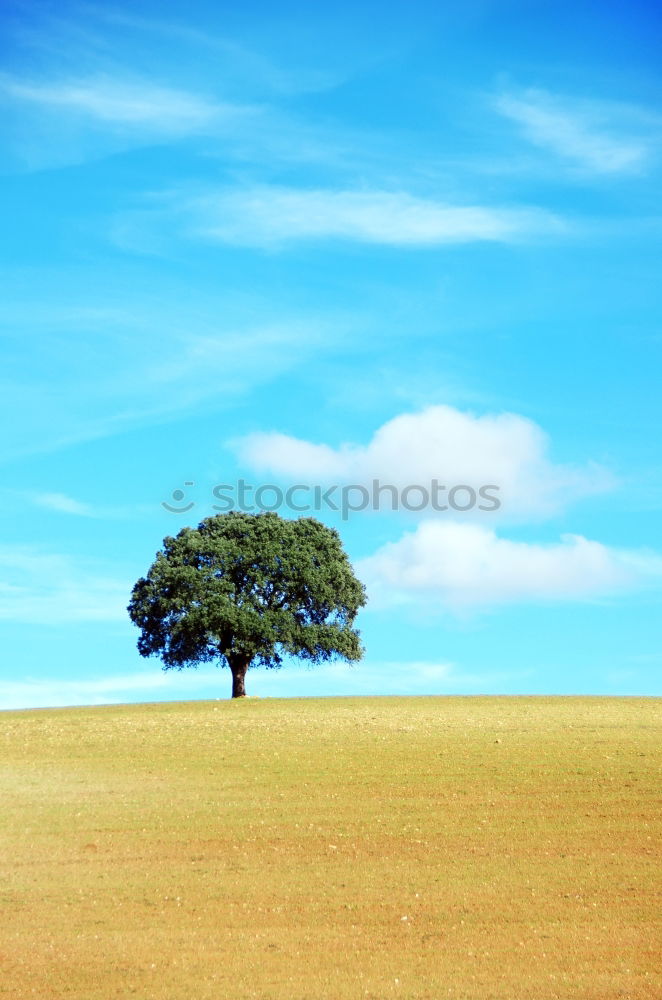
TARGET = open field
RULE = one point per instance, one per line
(327, 849)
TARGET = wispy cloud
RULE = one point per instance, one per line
(44, 588)
(86, 94)
(54, 692)
(366, 678)
(133, 104)
(385, 677)
(245, 67)
(269, 216)
(62, 503)
(152, 363)
(457, 567)
(598, 136)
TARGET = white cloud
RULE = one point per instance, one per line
(268, 216)
(41, 588)
(442, 443)
(456, 567)
(594, 135)
(134, 104)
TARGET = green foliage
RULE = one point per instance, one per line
(249, 588)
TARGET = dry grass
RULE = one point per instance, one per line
(328, 849)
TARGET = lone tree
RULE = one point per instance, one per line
(248, 588)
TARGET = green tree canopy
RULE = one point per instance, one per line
(247, 589)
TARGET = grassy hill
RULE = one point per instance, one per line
(327, 849)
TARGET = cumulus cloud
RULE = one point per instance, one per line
(270, 215)
(456, 567)
(443, 443)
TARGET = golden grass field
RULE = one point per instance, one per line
(336, 848)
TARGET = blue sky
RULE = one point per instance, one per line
(326, 245)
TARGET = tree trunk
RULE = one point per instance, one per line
(238, 666)
(238, 687)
